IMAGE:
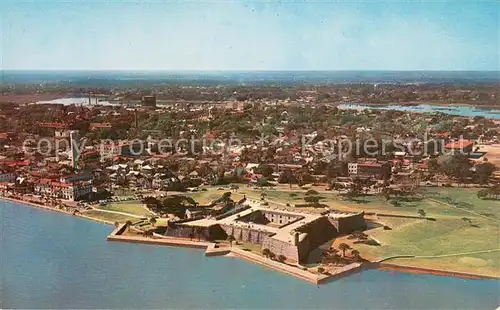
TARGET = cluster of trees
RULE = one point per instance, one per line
(489, 193)
(458, 167)
(331, 256)
(175, 204)
(267, 253)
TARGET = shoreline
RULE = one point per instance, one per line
(416, 103)
(434, 272)
(236, 252)
(44, 207)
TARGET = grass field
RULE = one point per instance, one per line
(132, 207)
(484, 263)
(113, 217)
(205, 197)
(466, 199)
(449, 234)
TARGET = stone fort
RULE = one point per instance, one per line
(289, 233)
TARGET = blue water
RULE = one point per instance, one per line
(52, 260)
(467, 111)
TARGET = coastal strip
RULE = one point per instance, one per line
(436, 272)
(44, 207)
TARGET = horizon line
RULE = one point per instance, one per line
(249, 70)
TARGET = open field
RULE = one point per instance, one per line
(481, 263)
(205, 197)
(492, 153)
(466, 199)
(113, 217)
(449, 234)
(132, 207)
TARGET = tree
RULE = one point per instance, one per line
(117, 224)
(230, 239)
(484, 172)
(355, 188)
(457, 166)
(395, 203)
(482, 193)
(152, 221)
(355, 255)
(432, 166)
(266, 170)
(128, 224)
(311, 192)
(281, 258)
(262, 182)
(421, 213)
(263, 195)
(312, 199)
(321, 270)
(344, 247)
(266, 252)
(272, 255)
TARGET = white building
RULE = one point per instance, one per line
(352, 168)
(67, 191)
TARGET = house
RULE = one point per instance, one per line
(459, 146)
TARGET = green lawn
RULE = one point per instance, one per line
(206, 197)
(132, 207)
(112, 217)
(466, 198)
(484, 263)
(440, 237)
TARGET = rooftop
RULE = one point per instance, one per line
(459, 144)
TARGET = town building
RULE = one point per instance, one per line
(148, 101)
(67, 191)
(459, 146)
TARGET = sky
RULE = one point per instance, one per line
(250, 35)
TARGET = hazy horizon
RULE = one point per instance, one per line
(192, 77)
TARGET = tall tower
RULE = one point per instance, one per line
(74, 139)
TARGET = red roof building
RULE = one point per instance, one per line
(460, 145)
